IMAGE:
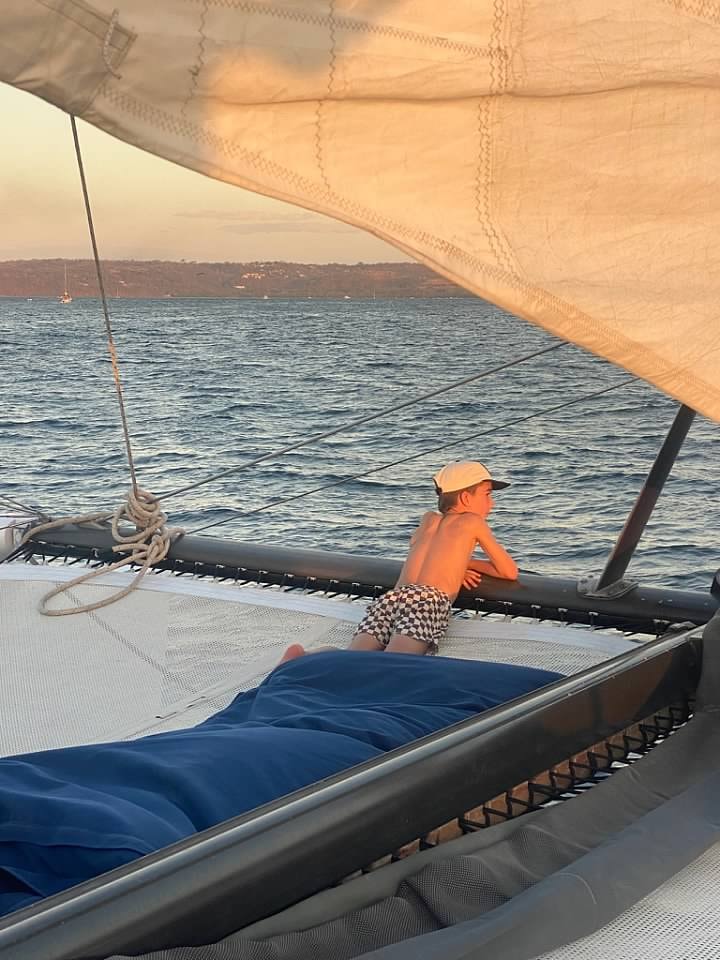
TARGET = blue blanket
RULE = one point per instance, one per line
(70, 814)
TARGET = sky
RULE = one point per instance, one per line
(144, 208)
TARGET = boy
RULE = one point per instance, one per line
(413, 617)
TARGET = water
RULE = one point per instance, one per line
(211, 384)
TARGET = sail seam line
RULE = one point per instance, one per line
(498, 65)
(703, 9)
(352, 24)
(90, 20)
(184, 128)
(320, 108)
(196, 69)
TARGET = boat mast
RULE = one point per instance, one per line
(65, 298)
(622, 552)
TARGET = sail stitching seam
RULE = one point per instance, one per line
(320, 108)
(200, 61)
(561, 309)
(348, 23)
(498, 64)
(482, 188)
(107, 44)
(705, 9)
(184, 128)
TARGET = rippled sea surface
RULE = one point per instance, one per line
(212, 384)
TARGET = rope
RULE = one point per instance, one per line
(151, 541)
(414, 456)
(362, 420)
(106, 314)
(147, 546)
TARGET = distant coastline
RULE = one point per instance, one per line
(165, 279)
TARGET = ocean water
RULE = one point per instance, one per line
(212, 384)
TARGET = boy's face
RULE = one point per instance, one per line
(480, 500)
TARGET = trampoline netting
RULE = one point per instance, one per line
(177, 650)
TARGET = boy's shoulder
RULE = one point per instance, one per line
(430, 518)
(463, 516)
(429, 522)
(453, 521)
(469, 520)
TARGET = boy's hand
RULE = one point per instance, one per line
(472, 578)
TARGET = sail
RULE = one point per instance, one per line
(559, 159)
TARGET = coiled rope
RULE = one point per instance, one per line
(147, 546)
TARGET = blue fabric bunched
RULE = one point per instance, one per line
(70, 814)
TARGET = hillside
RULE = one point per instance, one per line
(162, 279)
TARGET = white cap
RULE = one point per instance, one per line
(460, 476)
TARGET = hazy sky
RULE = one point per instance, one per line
(144, 208)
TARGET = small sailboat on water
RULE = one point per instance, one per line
(65, 295)
(552, 158)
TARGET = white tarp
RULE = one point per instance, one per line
(561, 159)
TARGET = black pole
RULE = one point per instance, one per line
(636, 522)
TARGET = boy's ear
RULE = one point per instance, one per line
(463, 497)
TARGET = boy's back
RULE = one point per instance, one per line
(440, 550)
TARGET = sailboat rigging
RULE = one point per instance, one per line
(530, 153)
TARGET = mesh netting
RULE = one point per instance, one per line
(678, 921)
(178, 650)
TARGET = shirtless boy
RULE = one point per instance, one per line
(413, 617)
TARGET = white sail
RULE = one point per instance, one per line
(559, 159)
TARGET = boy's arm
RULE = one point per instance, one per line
(499, 563)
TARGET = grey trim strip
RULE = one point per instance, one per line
(581, 899)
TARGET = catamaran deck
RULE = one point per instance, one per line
(179, 649)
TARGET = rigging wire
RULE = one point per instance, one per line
(7, 501)
(415, 456)
(151, 541)
(106, 314)
(362, 420)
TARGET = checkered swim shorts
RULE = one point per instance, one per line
(414, 610)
